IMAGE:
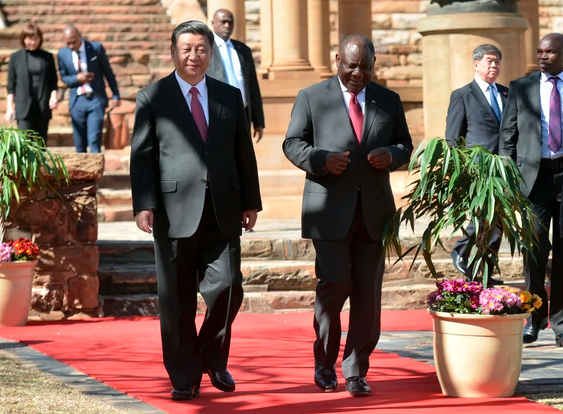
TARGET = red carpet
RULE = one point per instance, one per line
(271, 360)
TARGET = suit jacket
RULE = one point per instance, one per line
(520, 135)
(170, 161)
(98, 63)
(19, 83)
(320, 124)
(470, 116)
(252, 89)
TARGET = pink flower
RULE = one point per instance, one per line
(6, 252)
(497, 301)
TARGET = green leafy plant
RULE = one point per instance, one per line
(26, 164)
(457, 185)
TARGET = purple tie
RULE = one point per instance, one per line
(199, 115)
(554, 140)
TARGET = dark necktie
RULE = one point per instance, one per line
(494, 103)
(198, 114)
(554, 136)
(356, 116)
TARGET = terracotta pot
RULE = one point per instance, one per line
(477, 356)
(15, 292)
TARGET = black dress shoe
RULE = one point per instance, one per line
(459, 263)
(222, 380)
(531, 331)
(325, 378)
(559, 340)
(185, 394)
(357, 387)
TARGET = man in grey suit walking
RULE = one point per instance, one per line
(531, 136)
(233, 63)
(347, 133)
(195, 183)
(475, 113)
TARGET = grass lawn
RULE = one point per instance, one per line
(25, 390)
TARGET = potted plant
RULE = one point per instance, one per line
(26, 164)
(457, 185)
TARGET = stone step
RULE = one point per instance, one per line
(392, 298)
(80, 20)
(284, 275)
(149, 45)
(81, 2)
(55, 9)
(121, 36)
(101, 27)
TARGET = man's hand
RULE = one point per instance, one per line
(380, 158)
(53, 102)
(10, 114)
(84, 77)
(249, 219)
(259, 130)
(114, 103)
(337, 162)
(144, 220)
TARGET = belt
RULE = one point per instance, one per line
(552, 164)
(87, 95)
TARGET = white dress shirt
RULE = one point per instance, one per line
(545, 94)
(225, 49)
(202, 96)
(484, 86)
(346, 95)
(83, 65)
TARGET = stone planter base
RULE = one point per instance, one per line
(15, 292)
(478, 356)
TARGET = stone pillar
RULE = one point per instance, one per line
(529, 9)
(319, 36)
(449, 39)
(290, 51)
(237, 8)
(266, 36)
(354, 17)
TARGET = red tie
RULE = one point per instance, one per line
(83, 86)
(356, 116)
(198, 114)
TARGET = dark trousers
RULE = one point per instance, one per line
(351, 267)
(35, 121)
(87, 116)
(181, 263)
(546, 205)
(494, 244)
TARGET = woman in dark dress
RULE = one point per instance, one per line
(32, 83)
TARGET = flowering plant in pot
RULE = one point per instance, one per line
(456, 186)
(25, 164)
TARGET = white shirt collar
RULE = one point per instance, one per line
(484, 85)
(220, 42)
(345, 89)
(185, 86)
(546, 76)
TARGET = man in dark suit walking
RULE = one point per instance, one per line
(531, 136)
(195, 184)
(475, 113)
(232, 63)
(83, 66)
(347, 133)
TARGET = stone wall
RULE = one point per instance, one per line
(65, 226)
(551, 16)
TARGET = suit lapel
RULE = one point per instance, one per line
(25, 73)
(215, 109)
(534, 96)
(181, 106)
(238, 48)
(335, 100)
(90, 53)
(503, 91)
(480, 96)
(370, 112)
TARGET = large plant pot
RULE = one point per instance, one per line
(477, 356)
(15, 292)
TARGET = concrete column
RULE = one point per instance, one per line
(319, 36)
(448, 41)
(237, 8)
(290, 36)
(266, 36)
(354, 17)
(529, 10)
